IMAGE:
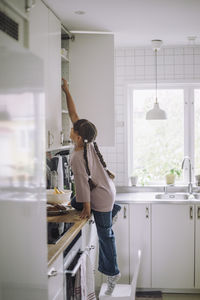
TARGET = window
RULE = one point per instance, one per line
(156, 147)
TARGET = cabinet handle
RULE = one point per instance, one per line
(61, 137)
(191, 212)
(50, 139)
(125, 216)
(198, 212)
(52, 273)
(147, 212)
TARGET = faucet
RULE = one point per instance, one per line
(190, 173)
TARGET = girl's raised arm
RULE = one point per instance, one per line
(70, 103)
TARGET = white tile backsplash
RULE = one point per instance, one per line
(133, 65)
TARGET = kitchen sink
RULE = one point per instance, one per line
(178, 196)
(170, 196)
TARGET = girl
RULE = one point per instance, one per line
(95, 189)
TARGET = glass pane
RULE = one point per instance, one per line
(197, 131)
(158, 145)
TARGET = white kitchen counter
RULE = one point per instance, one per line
(150, 198)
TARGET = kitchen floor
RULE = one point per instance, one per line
(181, 297)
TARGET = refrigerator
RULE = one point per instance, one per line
(23, 236)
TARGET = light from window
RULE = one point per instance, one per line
(157, 146)
(197, 130)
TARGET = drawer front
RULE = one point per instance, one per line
(55, 279)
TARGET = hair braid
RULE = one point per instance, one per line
(110, 174)
(91, 183)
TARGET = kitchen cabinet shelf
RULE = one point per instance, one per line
(64, 58)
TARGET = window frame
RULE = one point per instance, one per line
(189, 134)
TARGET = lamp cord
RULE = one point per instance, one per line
(156, 72)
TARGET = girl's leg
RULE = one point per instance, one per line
(107, 248)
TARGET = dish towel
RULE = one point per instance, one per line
(77, 286)
(87, 278)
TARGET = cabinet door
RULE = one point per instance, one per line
(172, 246)
(19, 5)
(53, 101)
(92, 82)
(140, 238)
(197, 248)
(45, 41)
(56, 279)
(121, 230)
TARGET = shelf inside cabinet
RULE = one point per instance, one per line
(64, 58)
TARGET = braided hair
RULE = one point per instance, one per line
(88, 132)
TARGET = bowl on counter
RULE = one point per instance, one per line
(58, 198)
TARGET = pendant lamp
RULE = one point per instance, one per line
(156, 113)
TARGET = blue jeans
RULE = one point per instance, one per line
(107, 248)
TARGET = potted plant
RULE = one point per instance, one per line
(171, 175)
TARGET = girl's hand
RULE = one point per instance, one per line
(86, 211)
(64, 85)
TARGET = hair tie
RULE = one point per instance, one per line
(85, 141)
(106, 168)
(90, 177)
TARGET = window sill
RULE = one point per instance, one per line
(155, 188)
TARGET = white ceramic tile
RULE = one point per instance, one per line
(139, 51)
(139, 70)
(150, 71)
(197, 59)
(160, 60)
(119, 60)
(189, 50)
(169, 70)
(188, 59)
(197, 71)
(120, 70)
(169, 60)
(197, 50)
(179, 69)
(178, 51)
(119, 52)
(189, 70)
(139, 60)
(149, 60)
(128, 52)
(168, 51)
(179, 59)
(148, 51)
(129, 71)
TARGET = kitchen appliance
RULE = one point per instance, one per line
(22, 180)
(55, 231)
(59, 166)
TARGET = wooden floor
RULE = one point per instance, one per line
(181, 297)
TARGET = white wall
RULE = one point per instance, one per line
(137, 65)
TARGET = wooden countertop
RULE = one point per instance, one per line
(72, 216)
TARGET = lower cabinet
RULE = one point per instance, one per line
(56, 279)
(172, 246)
(197, 247)
(140, 238)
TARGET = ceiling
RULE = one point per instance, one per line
(133, 22)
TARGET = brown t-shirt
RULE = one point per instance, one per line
(102, 197)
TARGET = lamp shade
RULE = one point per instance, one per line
(156, 113)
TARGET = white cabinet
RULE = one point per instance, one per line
(140, 238)
(53, 101)
(45, 41)
(172, 246)
(56, 279)
(197, 247)
(89, 239)
(92, 82)
(121, 230)
(21, 6)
